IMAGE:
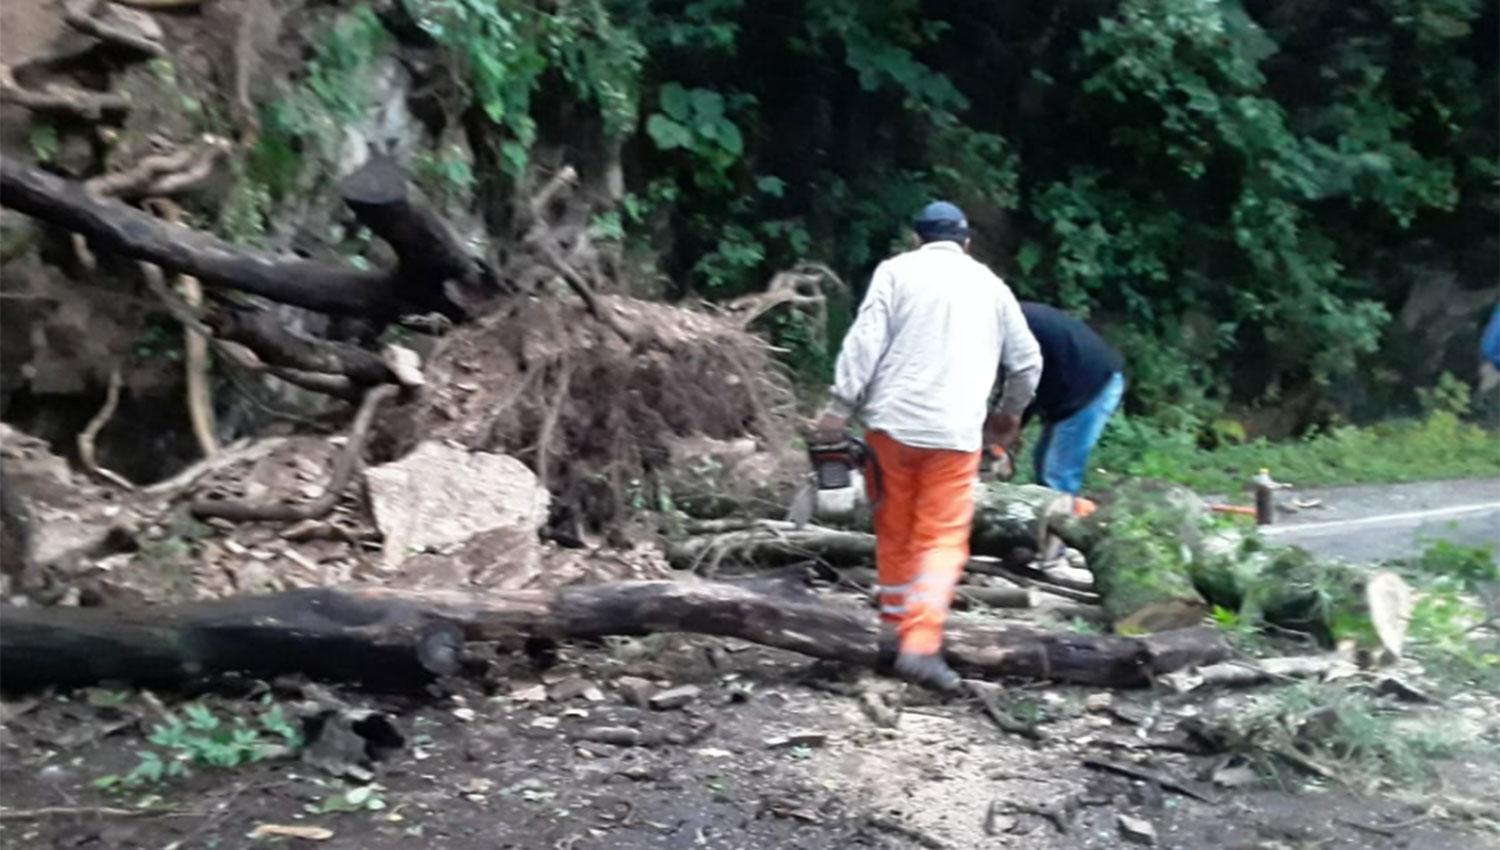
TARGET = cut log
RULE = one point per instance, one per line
(383, 200)
(382, 637)
(1009, 516)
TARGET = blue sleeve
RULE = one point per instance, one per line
(1490, 344)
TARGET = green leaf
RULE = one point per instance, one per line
(730, 139)
(44, 142)
(514, 156)
(773, 186)
(1028, 257)
(666, 133)
(675, 102)
(707, 103)
(200, 717)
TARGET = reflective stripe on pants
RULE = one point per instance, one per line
(922, 525)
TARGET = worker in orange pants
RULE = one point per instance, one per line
(918, 368)
(922, 520)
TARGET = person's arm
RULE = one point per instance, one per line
(1020, 358)
(863, 346)
(1489, 345)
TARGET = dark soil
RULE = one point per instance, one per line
(515, 773)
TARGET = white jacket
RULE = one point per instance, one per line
(920, 361)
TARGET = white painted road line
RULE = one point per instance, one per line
(1387, 519)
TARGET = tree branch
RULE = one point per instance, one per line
(344, 466)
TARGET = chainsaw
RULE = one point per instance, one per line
(838, 470)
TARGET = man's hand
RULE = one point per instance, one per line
(828, 428)
(1001, 429)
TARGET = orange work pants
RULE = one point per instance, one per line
(922, 524)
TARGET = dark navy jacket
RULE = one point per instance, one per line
(1076, 362)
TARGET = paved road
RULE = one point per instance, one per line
(1383, 521)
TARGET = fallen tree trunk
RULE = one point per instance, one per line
(385, 638)
(326, 634)
(324, 287)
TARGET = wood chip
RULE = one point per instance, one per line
(276, 830)
(1138, 830)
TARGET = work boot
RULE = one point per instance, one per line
(929, 671)
(886, 647)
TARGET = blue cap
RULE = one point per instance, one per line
(941, 220)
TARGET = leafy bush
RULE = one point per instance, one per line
(1440, 446)
(207, 740)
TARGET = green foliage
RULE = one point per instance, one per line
(299, 133)
(504, 47)
(444, 174)
(694, 120)
(201, 738)
(1449, 396)
(242, 217)
(44, 140)
(1452, 628)
(1440, 446)
(1471, 565)
(1236, 190)
(1358, 736)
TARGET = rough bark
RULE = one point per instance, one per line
(1008, 516)
(323, 633)
(277, 347)
(381, 198)
(324, 287)
(382, 637)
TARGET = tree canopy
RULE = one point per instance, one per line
(1243, 193)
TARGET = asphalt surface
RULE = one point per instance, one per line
(1386, 521)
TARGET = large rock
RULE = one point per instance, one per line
(439, 496)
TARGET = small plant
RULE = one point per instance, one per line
(201, 738)
(1472, 565)
(1349, 732)
(361, 798)
(1233, 622)
(44, 142)
(445, 174)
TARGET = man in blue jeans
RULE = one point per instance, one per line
(1082, 381)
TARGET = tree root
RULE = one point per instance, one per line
(200, 402)
(55, 97)
(344, 467)
(86, 455)
(130, 29)
(540, 236)
(549, 424)
(801, 287)
(162, 174)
